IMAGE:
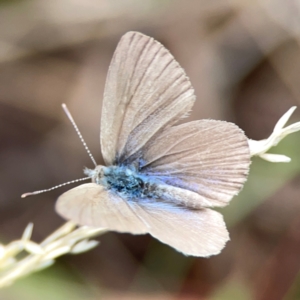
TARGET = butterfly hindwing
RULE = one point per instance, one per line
(192, 232)
(208, 157)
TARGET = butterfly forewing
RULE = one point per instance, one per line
(90, 204)
(208, 157)
(146, 90)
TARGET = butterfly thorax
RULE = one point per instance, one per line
(123, 180)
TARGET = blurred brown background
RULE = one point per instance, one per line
(243, 58)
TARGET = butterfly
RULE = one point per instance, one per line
(159, 178)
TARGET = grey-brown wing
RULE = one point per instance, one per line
(146, 90)
(208, 157)
(192, 232)
(90, 204)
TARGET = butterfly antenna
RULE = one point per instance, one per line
(67, 112)
(54, 188)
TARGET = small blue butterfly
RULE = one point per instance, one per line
(159, 178)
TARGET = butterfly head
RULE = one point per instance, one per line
(96, 174)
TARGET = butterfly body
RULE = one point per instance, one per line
(125, 181)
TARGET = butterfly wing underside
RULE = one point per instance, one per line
(145, 89)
